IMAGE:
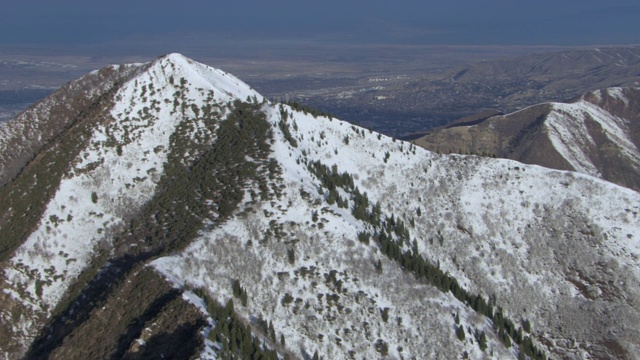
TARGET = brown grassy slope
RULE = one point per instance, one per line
(522, 136)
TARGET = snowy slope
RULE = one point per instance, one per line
(569, 131)
(312, 323)
(30, 131)
(548, 246)
(494, 216)
(110, 180)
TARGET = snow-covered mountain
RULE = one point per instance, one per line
(128, 229)
(596, 134)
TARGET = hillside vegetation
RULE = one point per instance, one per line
(199, 220)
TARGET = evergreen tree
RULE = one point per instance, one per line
(291, 256)
(460, 333)
(385, 314)
(378, 266)
(482, 341)
(521, 355)
(236, 288)
(272, 333)
(243, 297)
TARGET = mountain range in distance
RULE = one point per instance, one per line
(167, 209)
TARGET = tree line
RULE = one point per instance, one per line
(390, 235)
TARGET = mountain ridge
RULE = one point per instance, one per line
(315, 221)
(596, 134)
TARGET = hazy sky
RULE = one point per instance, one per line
(482, 22)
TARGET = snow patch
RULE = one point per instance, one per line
(567, 128)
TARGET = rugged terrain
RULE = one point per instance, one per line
(173, 211)
(597, 133)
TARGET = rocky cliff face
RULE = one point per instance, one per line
(189, 217)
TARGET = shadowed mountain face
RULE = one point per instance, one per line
(169, 210)
(596, 134)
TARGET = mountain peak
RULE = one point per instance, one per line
(177, 70)
(174, 57)
(175, 60)
(328, 237)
